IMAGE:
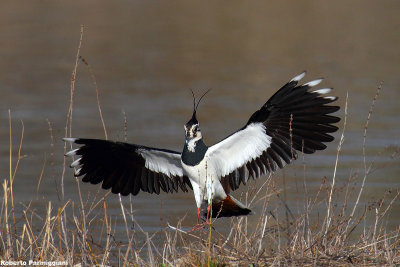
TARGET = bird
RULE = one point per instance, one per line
(296, 118)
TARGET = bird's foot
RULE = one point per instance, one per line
(199, 226)
(196, 227)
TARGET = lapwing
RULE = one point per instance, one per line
(295, 119)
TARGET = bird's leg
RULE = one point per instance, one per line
(198, 216)
(198, 226)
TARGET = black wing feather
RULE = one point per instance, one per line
(295, 118)
(122, 168)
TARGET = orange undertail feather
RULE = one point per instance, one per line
(228, 207)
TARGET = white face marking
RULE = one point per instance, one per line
(193, 131)
(192, 135)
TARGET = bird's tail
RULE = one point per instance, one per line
(228, 207)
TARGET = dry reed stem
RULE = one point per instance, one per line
(364, 155)
(93, 77)
(53, 172)
(68, 123)
(339, 147)
(68, 133)
(13, 173)
(41, 176)
(7, 230)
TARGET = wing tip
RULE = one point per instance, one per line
(322, 91)
(299, 77)
(77, 172)
(314, 82)
(332, 98)
(76, 163)
(72, 152)
(70, 139)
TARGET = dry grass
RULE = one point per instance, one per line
(82, 235)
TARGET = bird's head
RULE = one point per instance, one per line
(192, 127)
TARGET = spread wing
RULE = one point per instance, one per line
(294, 118)
(128, 168)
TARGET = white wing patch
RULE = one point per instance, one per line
(161, 161)
(313, 83)
(239, 148)
(298, 77)
(322, 91)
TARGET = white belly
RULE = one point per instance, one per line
(205, 183)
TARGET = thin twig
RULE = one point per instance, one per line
(364, 155)
(328, 215)
(68, 123)
(93, 77)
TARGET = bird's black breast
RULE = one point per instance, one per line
(193, 158)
